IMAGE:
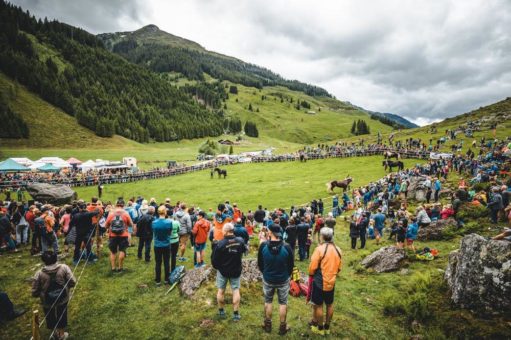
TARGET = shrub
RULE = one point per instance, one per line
(471, 212)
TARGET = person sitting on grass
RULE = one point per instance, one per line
(226, 259)
(52, 284)
(326, 263)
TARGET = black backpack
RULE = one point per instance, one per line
(118, 227)
(56, 293)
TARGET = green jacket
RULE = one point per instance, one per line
(174, 237)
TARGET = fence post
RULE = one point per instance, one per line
(98, 239)
(36, 335)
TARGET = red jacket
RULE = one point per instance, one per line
(200, 230)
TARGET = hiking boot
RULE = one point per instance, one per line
(267, 325)
(221, 314)
(236, 317)
(317, 331)
(283, 329)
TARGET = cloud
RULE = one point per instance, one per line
(424, 60)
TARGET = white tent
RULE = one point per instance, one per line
(23, 161)
(36, 165)
(88, 165)
(56, 161)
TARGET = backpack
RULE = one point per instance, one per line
(56, 293)
(118, 227)
(294, 289)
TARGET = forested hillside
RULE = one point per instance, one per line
(71, 69)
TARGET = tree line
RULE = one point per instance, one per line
(105, 93)
(360, 127)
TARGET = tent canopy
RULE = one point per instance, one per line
(48, 168)
(11, 166)
(73, 161)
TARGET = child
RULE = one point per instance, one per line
(250, 228)
(308, 243)
(263, 235)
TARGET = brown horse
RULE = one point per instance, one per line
(344, 184)
(391, 154)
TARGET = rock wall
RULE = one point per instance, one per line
(479, 275)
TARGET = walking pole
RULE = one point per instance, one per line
(98, 238)
(36, 335)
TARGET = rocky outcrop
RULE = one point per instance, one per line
(193, 280)
(479, 275)
(53, 194)
(417, 190)
(436, 230)
(386, 259)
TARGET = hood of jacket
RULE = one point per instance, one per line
(180, 214)
(51, 268)
(274, 247)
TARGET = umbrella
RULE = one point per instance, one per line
(12, 166)
(48, 168)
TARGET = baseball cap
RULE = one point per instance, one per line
(276, 230)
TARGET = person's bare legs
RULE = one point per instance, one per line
(112, 260)
(236, 297)
(220, 298)
(267, 311)
(318, 314)
(329, 313)
(122, 255)
(282, 313)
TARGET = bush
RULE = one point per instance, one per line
(481, 187)
(470, 212)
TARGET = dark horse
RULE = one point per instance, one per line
(391, 154)
(390, 164)
(345, 184)
(219, 171)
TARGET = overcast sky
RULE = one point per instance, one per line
(421, 59)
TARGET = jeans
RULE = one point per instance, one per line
(353, 242)
(162, 255)
(36, 239)
(494, 216)
(8, 240)
(302, 250)
(363, 238)
(147, 244)
(78, 245)
(45, 243)
(173, 254)
(22, 233)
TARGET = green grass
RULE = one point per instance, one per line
(114, 306)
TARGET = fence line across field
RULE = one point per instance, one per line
(155, 174)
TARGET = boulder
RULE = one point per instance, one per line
(479, 275)
(435, 231)
(250, 272)
(417, 190)
(193, 279)
(386, 259)
(49, 193)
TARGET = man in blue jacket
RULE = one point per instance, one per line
(226, 259)
(276, 261)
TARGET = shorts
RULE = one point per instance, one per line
(183, 240)
(282, 292)
(379, 230)
(200, 246)
(319, 296)
(409, 241)
(56, 317)
(221, 281)
(116, 244)
(400, 238)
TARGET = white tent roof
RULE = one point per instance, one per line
(22, 160)
(56, 161)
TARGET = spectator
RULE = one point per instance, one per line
(162, 231)
(7, 310)
(145, 231)
(226, 259)
(276, 261)
(117, 223)
(52, 284)
(82, 222)
(326, 263)
(495, 205)
(200, 232)
(185, 230)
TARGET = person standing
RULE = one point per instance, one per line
(162, 231)
(200, 231)
(326, 263)
(354, 232)
(259, 216)
(48, 237)
(52, 285)
(302, 233)
(174, 242)
(117, 224)
(379, 224)
(330, 221)
(276, 261)
(82, 222)
(495, 205)
(437, 186)
(145, 232)
(226, 259)
(185, 230)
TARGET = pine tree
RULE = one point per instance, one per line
(231, 150)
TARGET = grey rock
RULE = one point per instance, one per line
(49, 193)
(435, 231)
(479, 275)
(385, 259)
(193, 280)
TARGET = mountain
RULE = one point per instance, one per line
(163, 52)
(400, 121)
(71, 69)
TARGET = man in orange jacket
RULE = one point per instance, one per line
(326, 263)
(200, 231)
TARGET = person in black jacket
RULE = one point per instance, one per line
(145, 232)
(291, 232)
(354, 232)
(82, 222)
(259, 216)
(276, 261)
(302, 230)
(226, 259)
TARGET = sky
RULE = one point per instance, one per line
(424, 60)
